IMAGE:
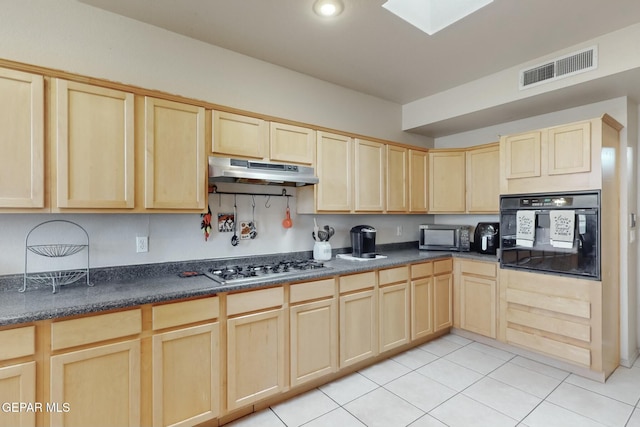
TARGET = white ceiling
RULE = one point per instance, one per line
(370, 50)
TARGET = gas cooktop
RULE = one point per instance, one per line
(253, 273)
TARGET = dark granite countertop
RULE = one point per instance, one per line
(151, 284)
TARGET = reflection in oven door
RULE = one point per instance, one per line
(581, 257)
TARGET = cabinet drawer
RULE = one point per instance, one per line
(17, 342)
(538, 343)
(479, 268)
(557, 304)
(442, 266)
(424, 269)
(182, 313)
(393, 275)
(86, 330)
(247, 302)
(312, 290)
(357, 281)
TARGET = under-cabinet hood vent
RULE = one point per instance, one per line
(222, 169)
(568, 65)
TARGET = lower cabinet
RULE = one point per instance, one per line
(313, 324)
(442, 294)
(97, 386)
(18, 384)
(393, 308)
(476, 296)
(421, 300)
(358, 318)
(255, 346)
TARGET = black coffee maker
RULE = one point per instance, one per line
(363, 241)
(486, 238)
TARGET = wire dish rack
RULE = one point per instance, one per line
(78, 242)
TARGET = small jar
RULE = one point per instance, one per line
(322, 251)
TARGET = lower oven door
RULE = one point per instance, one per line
(580, 258)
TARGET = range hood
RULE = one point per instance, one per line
(223, 169)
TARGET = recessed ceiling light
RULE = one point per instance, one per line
(432, 16)
(328, 8)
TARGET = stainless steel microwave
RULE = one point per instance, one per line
(440, 237)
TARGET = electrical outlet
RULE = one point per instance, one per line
(399, 230)
(142, 244)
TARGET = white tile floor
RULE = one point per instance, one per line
(453, 381)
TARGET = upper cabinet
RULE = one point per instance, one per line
(369, 177)
(334, 170)
(22, 178)
(483, 179)
(418, 181)
(93, 147)
(237, 135)
(447, 182)
(292, 144)
(561, 158)
(397, 179)
(174, 156)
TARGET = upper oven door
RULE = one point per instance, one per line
(579, 253)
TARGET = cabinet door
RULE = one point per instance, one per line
(522, 155)
(442, 301)
(314, 340)
(94, 147)
(369, 176)
(292, 144)
(21, 140)
(483, 180)
(182, 395)
(397, 179)
(358, 331)
(18, 384)
(393, 316)
(421, 307)
(478, 302)
(101, 386)
(447, 182)
(175, 161)
(418, 181)
(255, 357)
(569, 149)
(334, 161)
(237, 135)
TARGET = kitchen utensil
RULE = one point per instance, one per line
(315, 230)
(234, 239)
(330, 230)
(323, 236)
(253, 233)
(287, 223)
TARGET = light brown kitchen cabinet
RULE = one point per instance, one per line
(418, 181)
(476, 296)
(255, 346)
(17, 375)
(292, 144)
(393, 308)
(447, 182)
(108, 373)
(397, 185)
(182, 395)
(566, 157)
(483, 179)
(241, 136)
(369, 178)
(22, 175)
(314, 330)
(442, 294)
(358, 318)
(94, 146)
(421, 300)
(174, 156)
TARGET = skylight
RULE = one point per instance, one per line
(432, 16)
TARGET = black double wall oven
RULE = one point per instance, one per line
(557, 233)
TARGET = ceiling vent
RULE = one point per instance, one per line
(568, 65)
